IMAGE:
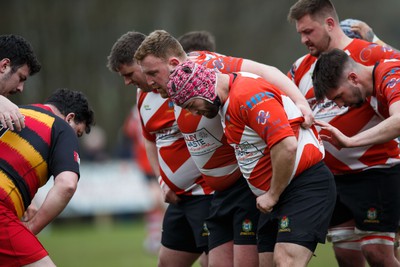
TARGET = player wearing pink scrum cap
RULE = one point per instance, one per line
(281, 161)
(233, 215)
(199, 83)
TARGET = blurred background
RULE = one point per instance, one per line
(73, 39)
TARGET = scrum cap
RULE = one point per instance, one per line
(346, 27)
(190, 80)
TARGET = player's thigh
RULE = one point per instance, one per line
(176, 258)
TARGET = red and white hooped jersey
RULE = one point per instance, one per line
(255, 117)
(177, 168)
(205, 137)
(209, 148)
(386, 86)
(350, 121)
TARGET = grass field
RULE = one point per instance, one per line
(117, 243)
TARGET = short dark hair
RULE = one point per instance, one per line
(197, 41)
(20, 52)
(124, 49)
(68, 101)
(328, 71)
(314, 8)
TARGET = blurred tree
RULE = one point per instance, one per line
(73, 38)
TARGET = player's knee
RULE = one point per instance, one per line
(283, 259)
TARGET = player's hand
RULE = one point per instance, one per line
(266, 202)
(170, 196)
(363, 30)
(29, 215)
(10, 116)
(307, 114)
(333, 135)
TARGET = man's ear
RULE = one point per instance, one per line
(353, 78)
(69, 117)
(4, 63)
(174, 62)
(330, 23)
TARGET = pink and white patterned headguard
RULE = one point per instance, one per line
(190, 80)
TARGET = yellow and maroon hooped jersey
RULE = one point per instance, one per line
(46, 147)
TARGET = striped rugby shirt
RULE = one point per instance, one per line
(46, 147)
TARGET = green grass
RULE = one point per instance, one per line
(109, 243)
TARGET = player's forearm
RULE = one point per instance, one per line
(55, 202)
(152, 156)
(385, 131)
(283, 157)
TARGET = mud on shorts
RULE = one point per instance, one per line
(184, 224)
(302, 213)
(233, 216)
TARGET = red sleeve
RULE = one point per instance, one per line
(222, 63)
(265, 113)
(390, 85)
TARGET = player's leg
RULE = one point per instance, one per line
(221, 255)
(266, 239)
(380, 255)
(346, 245)
(377, 214)
(266, 259)
(245, 224)
(175, 258)
(178, 244)
(232, 224)
(203, 259)
(289, 254)
(303, 213)
(245, 255)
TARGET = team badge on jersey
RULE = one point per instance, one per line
(284, 225)
(247, 228)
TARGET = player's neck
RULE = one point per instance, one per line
(222, 87)
(55, 110)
